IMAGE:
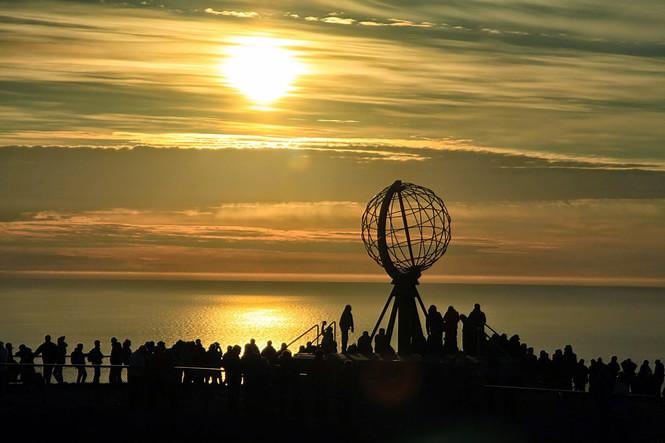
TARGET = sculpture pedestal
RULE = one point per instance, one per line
(404, 312)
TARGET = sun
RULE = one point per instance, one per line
(263, 69)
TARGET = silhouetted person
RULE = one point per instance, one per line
(95, 357)
(49, 351)
(580, 376)
(569, 365)
(365, 343)
(530, 364)
(346, 324)
(78, 360)
(600, 384)
(544, 369)
(328, 345)
(614, 367)
(12, 371)
(60, 359)
(137, 363)
(252, 347)
(450, 322)
(559, 376)
(161, 365)
(198, 358)
(115, 373)
(233, 376)
(225, 359)
(269, 352)
(643, 380)
(310, 348)
(214, 360)
(434, 327)
(476, 323)
(379, 341)
(629, 367)
(514, 347)
(283, 349)
(658, 377)
(126, 351)
(382, 344)
(27, 360)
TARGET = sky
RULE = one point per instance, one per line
(243, 139)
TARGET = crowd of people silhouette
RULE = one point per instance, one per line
(504, 360)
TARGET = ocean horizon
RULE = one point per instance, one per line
(598, 321)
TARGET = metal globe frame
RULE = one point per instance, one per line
(406, 228)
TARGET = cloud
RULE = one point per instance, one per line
(47, 179)
(413, 149)
(578, 240)
(329, 120)
(239, 14)
(527, 88)
(338, 20)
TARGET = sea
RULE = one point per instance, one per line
(596, 321)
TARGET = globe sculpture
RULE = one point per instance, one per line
(405, 229)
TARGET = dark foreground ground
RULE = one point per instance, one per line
(378, 403)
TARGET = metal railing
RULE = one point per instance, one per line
(316, 326)
(102, 366)
(70, 377)
(323, 330)
(320, 330)
(491, 329)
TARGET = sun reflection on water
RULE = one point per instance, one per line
(262, 317)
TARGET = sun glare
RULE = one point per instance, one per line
(262, 69)
(262, 317)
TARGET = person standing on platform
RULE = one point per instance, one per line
(12, 371)
(126, 354)
(26, 360)
(78, 360)
(95, 357)
(328, 345)
(346, 323)
(60, 359)
(434, 327)
(48, 350)
(115, 373)
(450, 322)
(476, 322)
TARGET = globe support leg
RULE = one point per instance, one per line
(420, 301)
(383, 312)
(393, 316)
(404, 313)
(410, 330)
